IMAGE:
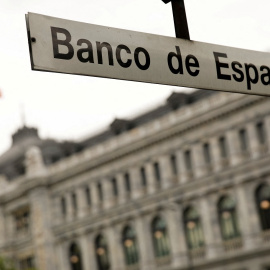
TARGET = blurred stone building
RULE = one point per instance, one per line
(184, 186)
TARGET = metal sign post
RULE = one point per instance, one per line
(180, 18)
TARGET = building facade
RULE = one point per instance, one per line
(184, 186)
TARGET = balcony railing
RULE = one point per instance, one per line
(197, 253)
(163, 260)
(133, 267)
(266, 235)
(233, 244)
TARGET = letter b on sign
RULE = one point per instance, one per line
(65, 42)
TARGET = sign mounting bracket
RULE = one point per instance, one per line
(180, 18)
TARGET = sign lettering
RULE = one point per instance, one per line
(86, 49)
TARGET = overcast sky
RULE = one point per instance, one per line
(72, 107)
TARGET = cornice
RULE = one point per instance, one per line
(145, 142)
(86, 164)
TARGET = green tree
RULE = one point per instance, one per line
(6, 264)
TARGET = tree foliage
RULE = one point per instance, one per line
(6, 264)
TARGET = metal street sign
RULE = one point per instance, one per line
(71, 47)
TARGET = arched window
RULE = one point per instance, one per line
(263, 205)
(227, 218)
(130, 246)
(102, 253)
(193, 228)
(75, 257)
(160, 237)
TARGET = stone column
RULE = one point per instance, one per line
(94, 197)
(135, 181)
(182, 168)
(41, 228)
(85, 246)
(210, 224)
(144, 238)
(151, 181)
(165, 171)
(235, 156)
(177, 235)
(108, 193)
(122, 194)
(199, 164)
(255, 147)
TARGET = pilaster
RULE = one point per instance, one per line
(255, 147)
(122, 194)
(108, 193)
(94, 197)
(114, 249)
(234, 147)
(41, 228)
(149, 169)
(81, 199)
(91, 252)
(69, 207)
(177, 235)
(135, 181)
(143, 228)
(243, 215)
(217, 160)
(267, 131)
(183, 172)
(62, 258)
(2, 227)
(85, 246)
(210, 226)
(165, 171)
(199, 164)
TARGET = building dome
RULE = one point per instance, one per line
(12, 162)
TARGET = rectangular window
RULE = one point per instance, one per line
(127, 182)
(173, 164)
(88, 196)
(63, 206)
(223, 147)
(74, 201)
(114, 186)
(100, 193)
(187, 157)
(206, 153)
(243, 139)
(22, 219)
(143, 177)
(157, 172)
(260, 132)
(26, 263)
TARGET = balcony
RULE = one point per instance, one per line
(232, 244)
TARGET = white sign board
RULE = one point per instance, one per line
(65, 46)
